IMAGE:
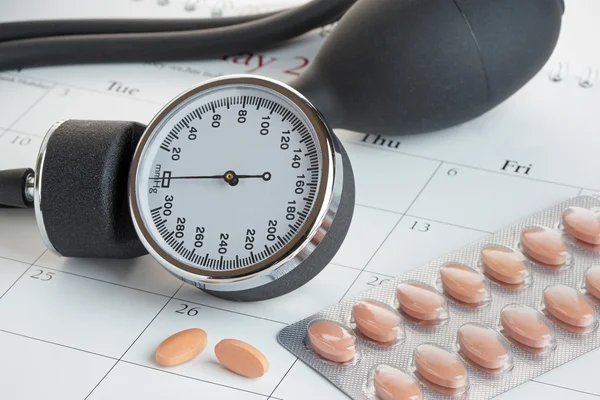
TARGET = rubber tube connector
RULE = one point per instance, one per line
(13, 188)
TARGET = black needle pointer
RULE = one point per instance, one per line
(230, 177)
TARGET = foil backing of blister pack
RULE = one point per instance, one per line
(352, 377)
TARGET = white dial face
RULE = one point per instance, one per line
(229, 177)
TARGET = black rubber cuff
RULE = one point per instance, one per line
(84, 208)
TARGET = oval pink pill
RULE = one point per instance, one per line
(241, 358)
(332, 341)
(483, 346)
(377, 321)
(392, 384)
(503, 264)
(526, 326)
(544, 245)
(592, 281)
(463, 283)
(181, 347)
(441, 367)
(583, 224)
(420, 301)
(569, 306)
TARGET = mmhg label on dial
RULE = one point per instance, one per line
(229, 177)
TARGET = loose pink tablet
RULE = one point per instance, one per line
(569, 306)
(544, 245)
(526, 326)
(583, 224)
(377, 321)
(463, 283)
(505, 265)
(483, 346)
(392, 384)
(332, 341)
(241, 358)
(420, 301)
(440, 367)
(181, 347)
(592, 281)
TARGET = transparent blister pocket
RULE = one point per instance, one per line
(545, 247)
(377, 323)
(332, 342)
(386, 382)
(421, 304)
(527, 329)
(591, 283)
(505, 267)
(569, 309)
(440, 370)
(464, 285)
(484, 349)
(581, 226)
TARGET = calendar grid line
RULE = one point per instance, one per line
(448, 223)
(346, 266)
(131, 345)
(194, 378)
(24, 272)
(24, 133)
(370, 146)
(565, 388)
(17, 261)
(150, 323)
(231, 311)
(159, 294)
(375, 272)
(101, 380)
(423, 218)
(394, 228)
(279, 383)
(36, 102)
(101, 280)
(56, 344)
(57, 83)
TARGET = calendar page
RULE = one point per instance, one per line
(87, 329)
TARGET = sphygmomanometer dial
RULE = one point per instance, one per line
(234, 182)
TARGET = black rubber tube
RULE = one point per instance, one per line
(12, 188)
(36, 29)
(178, 45)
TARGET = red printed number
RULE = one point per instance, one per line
(295, 70)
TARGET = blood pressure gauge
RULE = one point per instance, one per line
(236, 184)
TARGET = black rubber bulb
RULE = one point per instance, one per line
(407, 66)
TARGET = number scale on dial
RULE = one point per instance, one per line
(232, 176)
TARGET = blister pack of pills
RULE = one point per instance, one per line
(471, 324)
